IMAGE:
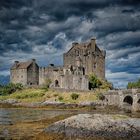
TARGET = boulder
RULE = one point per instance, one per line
(86, 103)
(91, 125)
(46, 103)
(10, 101)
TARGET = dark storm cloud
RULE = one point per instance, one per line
(15, 3)
(128, 11)
(34, 28)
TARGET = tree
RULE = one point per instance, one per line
(95, 82)
(131, 85)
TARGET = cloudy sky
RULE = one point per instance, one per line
(45, 29)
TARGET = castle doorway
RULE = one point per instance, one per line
(90, 86)
(56, 83)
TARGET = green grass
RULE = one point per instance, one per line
(82, 96)
(40, 95)
(26, 95)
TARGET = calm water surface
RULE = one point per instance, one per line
(17, 123)
(10, 116)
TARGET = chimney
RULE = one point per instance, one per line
(33, 60)
(16, 62)
(93, 43)
(74, 44)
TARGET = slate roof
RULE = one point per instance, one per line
(21, 65)
(81, 46)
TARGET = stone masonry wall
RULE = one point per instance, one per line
(33, 74)
(18, 76)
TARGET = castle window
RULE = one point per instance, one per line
(77, 53)
(95, 65)
(21, 76)
(30, 83)
(83, 71)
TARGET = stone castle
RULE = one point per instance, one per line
(80, 61)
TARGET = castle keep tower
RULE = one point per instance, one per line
(87, 55)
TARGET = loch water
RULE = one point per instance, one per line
(26, 123)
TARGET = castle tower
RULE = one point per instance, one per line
(89, 56)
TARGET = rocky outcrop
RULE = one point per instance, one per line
(87, 125)
(9, 101)
(46, 103)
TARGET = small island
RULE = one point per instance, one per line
(69, 69)
(77, 92)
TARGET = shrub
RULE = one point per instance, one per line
(10, 88)
(19, 86)
(131, 85)
(60, 98)
(106, 85)
(45, 88)
(100, 96)
(29, 95)
(55, 95)
(48, 96)
(95, 82)
(74, 96)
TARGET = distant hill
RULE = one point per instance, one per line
(4, 79)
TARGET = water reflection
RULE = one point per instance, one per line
(11, 116)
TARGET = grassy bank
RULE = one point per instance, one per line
(39, 95)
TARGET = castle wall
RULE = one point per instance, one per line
(64, 78)
(18, 76)
(48, 73)
(41, 75)
(78, 82)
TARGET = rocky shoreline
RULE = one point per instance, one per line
(95, 125)
(57, 104)
(90, 126)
